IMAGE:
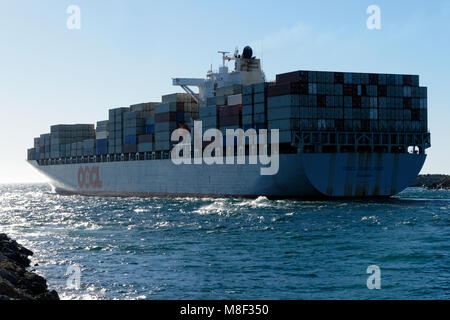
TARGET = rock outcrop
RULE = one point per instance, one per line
(433, 181)
(16, 282)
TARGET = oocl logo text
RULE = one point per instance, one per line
(89, 177)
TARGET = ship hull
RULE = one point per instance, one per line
(299, 176)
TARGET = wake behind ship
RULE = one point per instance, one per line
(340, 135)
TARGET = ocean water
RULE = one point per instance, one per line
(233, 248)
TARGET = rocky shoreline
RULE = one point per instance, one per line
(433, 182)
(16, 282)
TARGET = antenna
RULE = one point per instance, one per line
(224, 57)
(262, 55)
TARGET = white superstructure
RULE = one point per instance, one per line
(247, 70)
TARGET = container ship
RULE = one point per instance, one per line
(340, 134)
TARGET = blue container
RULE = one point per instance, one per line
(130, 140)
(101, 151)
(180, 116)
(101, 146)
(150, 129)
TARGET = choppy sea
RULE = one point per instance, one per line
(227, 248)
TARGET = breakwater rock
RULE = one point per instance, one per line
(16, 282)
(433, 181)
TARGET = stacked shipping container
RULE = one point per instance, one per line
(224, 111)
(177, 111)
(102, 135)
(63, 135)
(89, 147)
(254, 107)
(146, 141)
(347, 102)
(116, 130)
(297, 101)
(34, 153)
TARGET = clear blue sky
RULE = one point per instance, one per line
(127, 51)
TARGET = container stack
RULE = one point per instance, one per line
(310, 100)
(68, 151)
(31, 154)
(61, 135)
(44, 144)
(76, 149)
(146, 141)
(34, 153)
(283, 113)
(144, 107)
(254, 109)
(134, 125)
(101, 136)
(116, 130)
(228, 91)
(227, 111)
(177, 111)
(89, 147)
(208, 114)
(247, 107)
(230, 115)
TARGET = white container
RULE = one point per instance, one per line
(235, 99)
(102, 135)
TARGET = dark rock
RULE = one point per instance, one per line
(49, 295)
(433, 182)
(34, 283)
(15, 281)
(7, 289)
(9, 276)
(3, 237)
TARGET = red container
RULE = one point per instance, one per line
(129, 148)
(226, 111)
(373, 79)
(233, 120)
(282, 89)
(407, 80)
(348, 90)
(146, 138)
(180, 106)
(382, 91)
(356, 102)
(165, 117)
(415, 115)
(296, 76)
(338, 77)
(321, 101)
(407, 103)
